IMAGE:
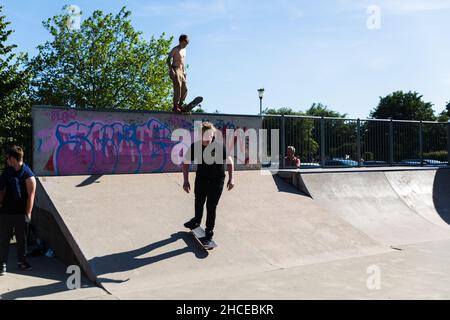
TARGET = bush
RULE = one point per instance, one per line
(437, 155)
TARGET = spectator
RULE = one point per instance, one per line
(17, 191)
(291, 160)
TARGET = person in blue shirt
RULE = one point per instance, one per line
(17, 192)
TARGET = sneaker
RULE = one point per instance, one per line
(192, 224)
(2, 269)
(208, 244)
(209, 235)
(177, 109)
(24, 266)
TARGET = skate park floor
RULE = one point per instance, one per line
(419, 271)
(274, 241)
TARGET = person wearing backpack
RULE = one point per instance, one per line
(17, 193)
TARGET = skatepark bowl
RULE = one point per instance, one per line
(356, 233)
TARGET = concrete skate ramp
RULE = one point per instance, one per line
(128, 229)
(392, 207)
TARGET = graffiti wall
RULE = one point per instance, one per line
(82, 142)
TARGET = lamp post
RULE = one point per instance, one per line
(261, 96)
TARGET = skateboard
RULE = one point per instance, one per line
(199, 234)
(191, 105)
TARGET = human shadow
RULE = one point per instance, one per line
(43, 268)
(127, 261)
(91, 180)
(441, 193)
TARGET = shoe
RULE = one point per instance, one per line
(192, 224)
(24, 266)
(177, 109)
(208, 244)
(2, 269)
(183, 108)
(209, 235)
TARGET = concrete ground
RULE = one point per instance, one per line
(419, 271)
(47, 281)
(275, 242)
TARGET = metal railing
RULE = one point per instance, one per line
(339, 142)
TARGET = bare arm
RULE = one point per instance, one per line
(230, 168)
(186, 184)
(31, 190)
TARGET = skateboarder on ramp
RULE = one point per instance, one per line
(210, 156)
(177, 72)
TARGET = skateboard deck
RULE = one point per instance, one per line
(199, 234)
(193, 104)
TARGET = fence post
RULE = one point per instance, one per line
(322, 142)
(358, 141)
(421, 143)
(391, 142)
(283, 142)
(448, 143)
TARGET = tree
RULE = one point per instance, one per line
(199, 110)
(103, 64)
(320, 110)
(15, 115)
(282, 111)
(444, 116)
(403, 106)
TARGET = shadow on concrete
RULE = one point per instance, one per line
(127, 261)
(92, 179)
(441, 193)
(43, 268)
(284, 186)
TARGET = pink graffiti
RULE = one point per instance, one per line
(63, 116)
(97, 148)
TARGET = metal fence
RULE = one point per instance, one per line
(337, 142)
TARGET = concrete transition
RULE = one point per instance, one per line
(392, 207)
(126, 230)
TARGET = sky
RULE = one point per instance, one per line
(345, 54)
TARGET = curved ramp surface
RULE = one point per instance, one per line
(129, 229)
(392, 207)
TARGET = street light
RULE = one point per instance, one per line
(261, 96)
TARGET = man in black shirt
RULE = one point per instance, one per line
(211, 157)
(17, 191)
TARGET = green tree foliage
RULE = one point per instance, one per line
(404, 106)
(199, 110)
(103, 64)
(320, 110)
(282, 111)
(304, 133)
(15, 117)
(444, 116)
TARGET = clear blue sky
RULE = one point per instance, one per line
(300, 51)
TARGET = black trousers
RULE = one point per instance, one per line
(209, 191)
(10, 224)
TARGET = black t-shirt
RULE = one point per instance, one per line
(210, 160)
(16, 195)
